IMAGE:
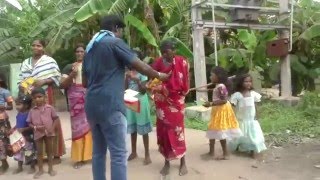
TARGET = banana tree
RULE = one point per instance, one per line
(8, 42)
(248, 51)
(142, 23)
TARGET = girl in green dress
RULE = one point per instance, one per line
(245, 100)
(139, 123)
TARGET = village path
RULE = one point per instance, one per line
(287, 163)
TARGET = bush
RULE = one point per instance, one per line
(302, 120)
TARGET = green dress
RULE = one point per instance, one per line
(252, 139)
(139, 122)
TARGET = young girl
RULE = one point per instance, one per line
(44, 121)
(223, 124)
(139, 123)
(244, 101)
(27, 154)
(5, 127)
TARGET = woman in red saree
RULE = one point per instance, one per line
(169, 100)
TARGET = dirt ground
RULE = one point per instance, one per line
(287, 163)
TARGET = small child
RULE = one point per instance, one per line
(139, 122)
(244, 101)
(5, 127)
(27, 154)
(223, 124)
(43, 119)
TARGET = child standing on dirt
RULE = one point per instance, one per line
(5, 127)
(245, 100)
(27, 153)
(223, 124)
(44, 120)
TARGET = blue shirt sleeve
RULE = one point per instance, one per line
(124, 53)
(7, 95)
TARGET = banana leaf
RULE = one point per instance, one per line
(91, 8)
(142, 28)
(311, 32)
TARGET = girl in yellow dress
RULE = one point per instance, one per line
(223, 124)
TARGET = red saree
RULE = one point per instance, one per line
(169, 100)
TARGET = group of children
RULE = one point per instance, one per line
(234, 118)
(36, 121)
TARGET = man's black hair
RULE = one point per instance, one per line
(111, 23)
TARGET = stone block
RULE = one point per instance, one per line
(198, 112)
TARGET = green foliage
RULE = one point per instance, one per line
(91, 8)
(284, 122)
(311, 32)
(310, 105)
(142, 28)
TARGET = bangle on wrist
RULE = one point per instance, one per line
(159, 74)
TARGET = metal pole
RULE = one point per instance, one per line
(215, 34)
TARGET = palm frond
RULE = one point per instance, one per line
(58, 19)
(8, 44)
(91, 8)
(5, 31)
(119, 7)
(173, 31)
(9, 55)
(56, 41)
(142, 28)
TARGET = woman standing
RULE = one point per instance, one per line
(139, 122)
(169, 100)
(46, 73)
(81, 149)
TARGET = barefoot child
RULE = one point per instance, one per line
(223, 124)
(244, 101)
(5, 127)
(139, 122)
(44, 120)
(27, 154)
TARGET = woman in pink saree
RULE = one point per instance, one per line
(81, 150)
(169, 99)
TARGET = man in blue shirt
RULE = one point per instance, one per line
(103, 74)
